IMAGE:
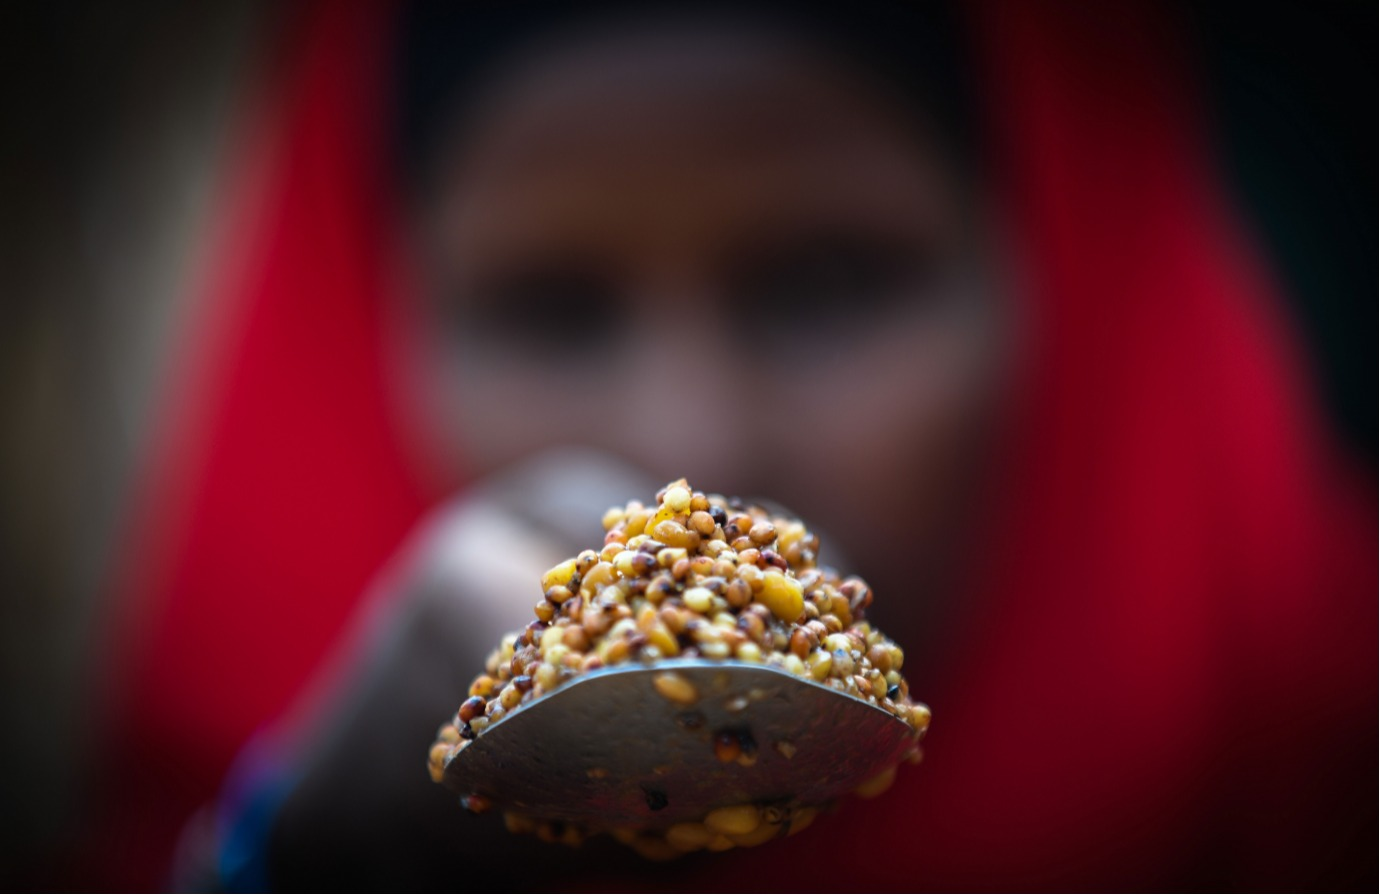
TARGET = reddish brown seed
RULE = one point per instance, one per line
(681, 569)
(738, 593)
(585, 561)
(739, 543)
(521, 659)
(471, 708)
(817, 628)
(674, 619)
(752, 626)
(594, 621)
(761, 612)
(749, 556)
(726, 746)
(801, 643)
(762, 533)
(880, 657)
(575, 638)
(747, 748)
(523, 682)
(702, 522)
(772, 558)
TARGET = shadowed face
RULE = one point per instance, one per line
(725, 256)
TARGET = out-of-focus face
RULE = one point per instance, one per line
(720, 256)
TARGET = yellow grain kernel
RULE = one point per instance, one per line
(734, 820)
(636, 522)
(547, 677)
(559, 574)
(716, 650)
(876, 785)
(763, 833)
(662, 515)
(623, 563)
(689, 836)
(669, 556)
(677, 499)
(782, 595)
(600, 574)
(699, 599)
(665, 642)
(838, 642)
(820, 663)
(653, 849)
(675, 688)
(749, 652)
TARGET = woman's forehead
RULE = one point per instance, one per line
(736, 123)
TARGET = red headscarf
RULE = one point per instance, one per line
(1168, 676)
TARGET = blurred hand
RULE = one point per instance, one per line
(362, 809)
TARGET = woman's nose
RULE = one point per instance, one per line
(688, 405)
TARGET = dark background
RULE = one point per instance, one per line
(115, 117)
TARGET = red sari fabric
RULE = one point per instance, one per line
(1166, 675)
(276, 486)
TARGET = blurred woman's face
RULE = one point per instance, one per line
(721, 257)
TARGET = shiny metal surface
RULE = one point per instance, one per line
(608, 749)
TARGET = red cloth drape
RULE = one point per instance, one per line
(276, 485)
(1171, 680)
(1168, 672)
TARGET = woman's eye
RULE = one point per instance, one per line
(828, 287)
(540, 310)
